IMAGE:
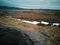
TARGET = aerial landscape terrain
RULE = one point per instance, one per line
(29, 22)
(40, 34)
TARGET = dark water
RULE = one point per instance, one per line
(13, 10)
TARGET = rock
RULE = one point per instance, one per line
(11, 36)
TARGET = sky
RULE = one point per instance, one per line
(34, 4)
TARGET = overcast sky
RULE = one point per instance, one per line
(35, 4)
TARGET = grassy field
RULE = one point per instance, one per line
(50, 16)
(10, 19)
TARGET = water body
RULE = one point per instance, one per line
(14, 10)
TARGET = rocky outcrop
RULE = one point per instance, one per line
(11, 36)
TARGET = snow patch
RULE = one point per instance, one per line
(32, 22)
(43, 22)
(55, 24)
(36, 22)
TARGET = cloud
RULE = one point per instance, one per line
(49, 4)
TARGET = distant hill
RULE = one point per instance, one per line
(7, 7)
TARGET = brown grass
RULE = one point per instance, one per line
(7, 20)
(54, 32)
(38, 16)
